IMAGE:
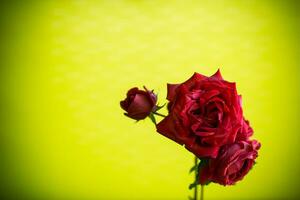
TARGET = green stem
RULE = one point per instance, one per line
(196, 177)
(155, 113)
(202, 192)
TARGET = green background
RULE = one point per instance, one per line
(65, 65)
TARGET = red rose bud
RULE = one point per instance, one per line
(205, 113)
(139, 103)
(232, 164)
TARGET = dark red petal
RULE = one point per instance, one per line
(124, 104)
(235, 167)
(194, 79)
(203, 151)
(150, 94)
(171, 91)
(217, 75)
(167, 128)
(209, 94)
(255, 145)
(132, 91)
(140, 107)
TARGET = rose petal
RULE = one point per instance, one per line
(172, 130)
(140, 106)
(194, 79)
(203, 151)
(217, 75)
(132, 91)
(171, 91)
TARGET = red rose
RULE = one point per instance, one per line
(232, 164)
(204, 114)
(139, 103)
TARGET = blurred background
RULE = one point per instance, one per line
(65, 65)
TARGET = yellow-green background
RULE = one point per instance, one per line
(65, 65)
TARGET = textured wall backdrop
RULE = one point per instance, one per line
(65, 65)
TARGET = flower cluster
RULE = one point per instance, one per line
(205, 115)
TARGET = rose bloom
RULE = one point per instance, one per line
(139, 103)
(232, 164)
(205, 113)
